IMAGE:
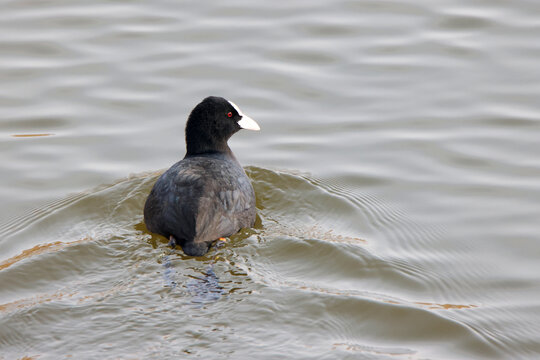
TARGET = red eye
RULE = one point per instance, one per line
(229, 114)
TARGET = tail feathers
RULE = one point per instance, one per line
(190, 248)
(195, 248)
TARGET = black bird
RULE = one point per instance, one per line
(207, 195)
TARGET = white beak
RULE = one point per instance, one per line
(248, 123)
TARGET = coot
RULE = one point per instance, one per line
(207, 195)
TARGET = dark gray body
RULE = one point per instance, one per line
(200, 199)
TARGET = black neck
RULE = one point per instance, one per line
(198, 144)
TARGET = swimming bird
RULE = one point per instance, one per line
(206, 195)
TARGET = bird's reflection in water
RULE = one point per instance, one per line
(168, 273)
(202, 289)
(205, 289)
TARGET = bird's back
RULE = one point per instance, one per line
(200, 199)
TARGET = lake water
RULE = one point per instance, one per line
(397, 176)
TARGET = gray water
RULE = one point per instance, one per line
(397, 178)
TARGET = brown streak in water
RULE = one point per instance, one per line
(30, 135)
(428, 305)
(434, 306)
(445, 306)
(36, 250)
(38, 299)
(45, 298)
(316, 232)
(409, 354)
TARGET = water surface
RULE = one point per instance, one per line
(397, 178)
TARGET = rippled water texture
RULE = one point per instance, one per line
(397, 178)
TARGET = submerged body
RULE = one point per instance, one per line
(207, 195)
